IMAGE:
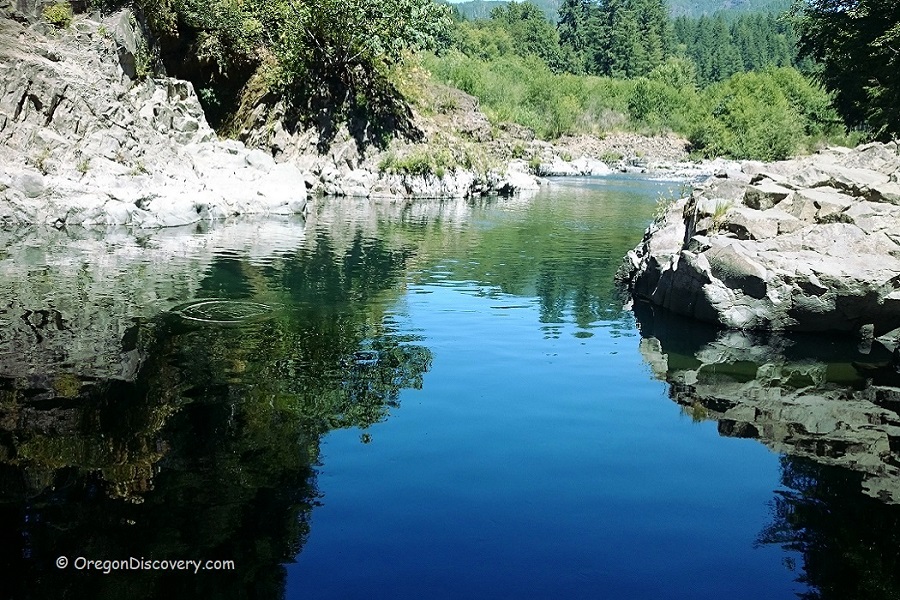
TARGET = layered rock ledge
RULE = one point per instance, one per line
(88, 137)
(809, 244)
(84, 140)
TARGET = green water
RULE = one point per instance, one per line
(434, 400)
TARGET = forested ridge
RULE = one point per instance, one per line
(756, 85)
(481, 9)
(733, 88)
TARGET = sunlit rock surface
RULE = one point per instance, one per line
(827, 400)
(804, 245)
(85, 139)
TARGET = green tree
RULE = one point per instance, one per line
(762, 115)
(572, 29)
(343, 37)
(857, 43)
(627, 38)
(531, 33)
(337, 49)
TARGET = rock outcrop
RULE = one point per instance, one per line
(809, 244)
(827, 402)
(89, 136)
(86, 140)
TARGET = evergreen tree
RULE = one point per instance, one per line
(627, 38)
(749, 43)
(532, 34)
(857, 43)
(572, 30)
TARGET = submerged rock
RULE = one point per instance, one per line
(805, 245)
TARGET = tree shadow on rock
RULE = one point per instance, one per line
(372, 108)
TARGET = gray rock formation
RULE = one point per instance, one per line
(798, 396)
(351, 164)
(83, 141)
(804, 245)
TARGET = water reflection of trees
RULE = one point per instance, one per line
(831, 411)
(562, 248)
(210, 451)
(850, 543)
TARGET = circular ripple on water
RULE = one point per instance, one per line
(222, 311)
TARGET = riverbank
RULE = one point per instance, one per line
(88, 138)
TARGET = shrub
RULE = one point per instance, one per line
(59, 15)
(767, 115)
(421, 162)
(750, 117)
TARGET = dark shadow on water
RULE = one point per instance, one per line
(850, 543)
(832, 409)
(209, 450)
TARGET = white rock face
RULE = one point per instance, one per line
(580, 167)
(806, 245)
(82, 143)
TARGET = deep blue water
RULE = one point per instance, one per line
(423, 400)
(536, 466)
(541, 458)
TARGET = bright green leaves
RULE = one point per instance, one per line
(338, 36)
(763, 115)
(529, 30)
(307, 38)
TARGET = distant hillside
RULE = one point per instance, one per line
(697, 8)
(481, 9)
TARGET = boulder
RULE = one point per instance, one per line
(749, 224)
(765, 194)
(824, 258)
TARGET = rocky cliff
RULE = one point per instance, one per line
(91, 134)
(809, 244)
(87, 137)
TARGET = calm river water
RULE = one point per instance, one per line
(440, 400)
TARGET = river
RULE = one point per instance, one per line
(426, 400)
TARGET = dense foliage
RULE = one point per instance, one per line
(481, 9)
(338, 50)
(857, 42)
(698, 8)
(619, 38)
(643, 79)
(336, 34)
(721, 48)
